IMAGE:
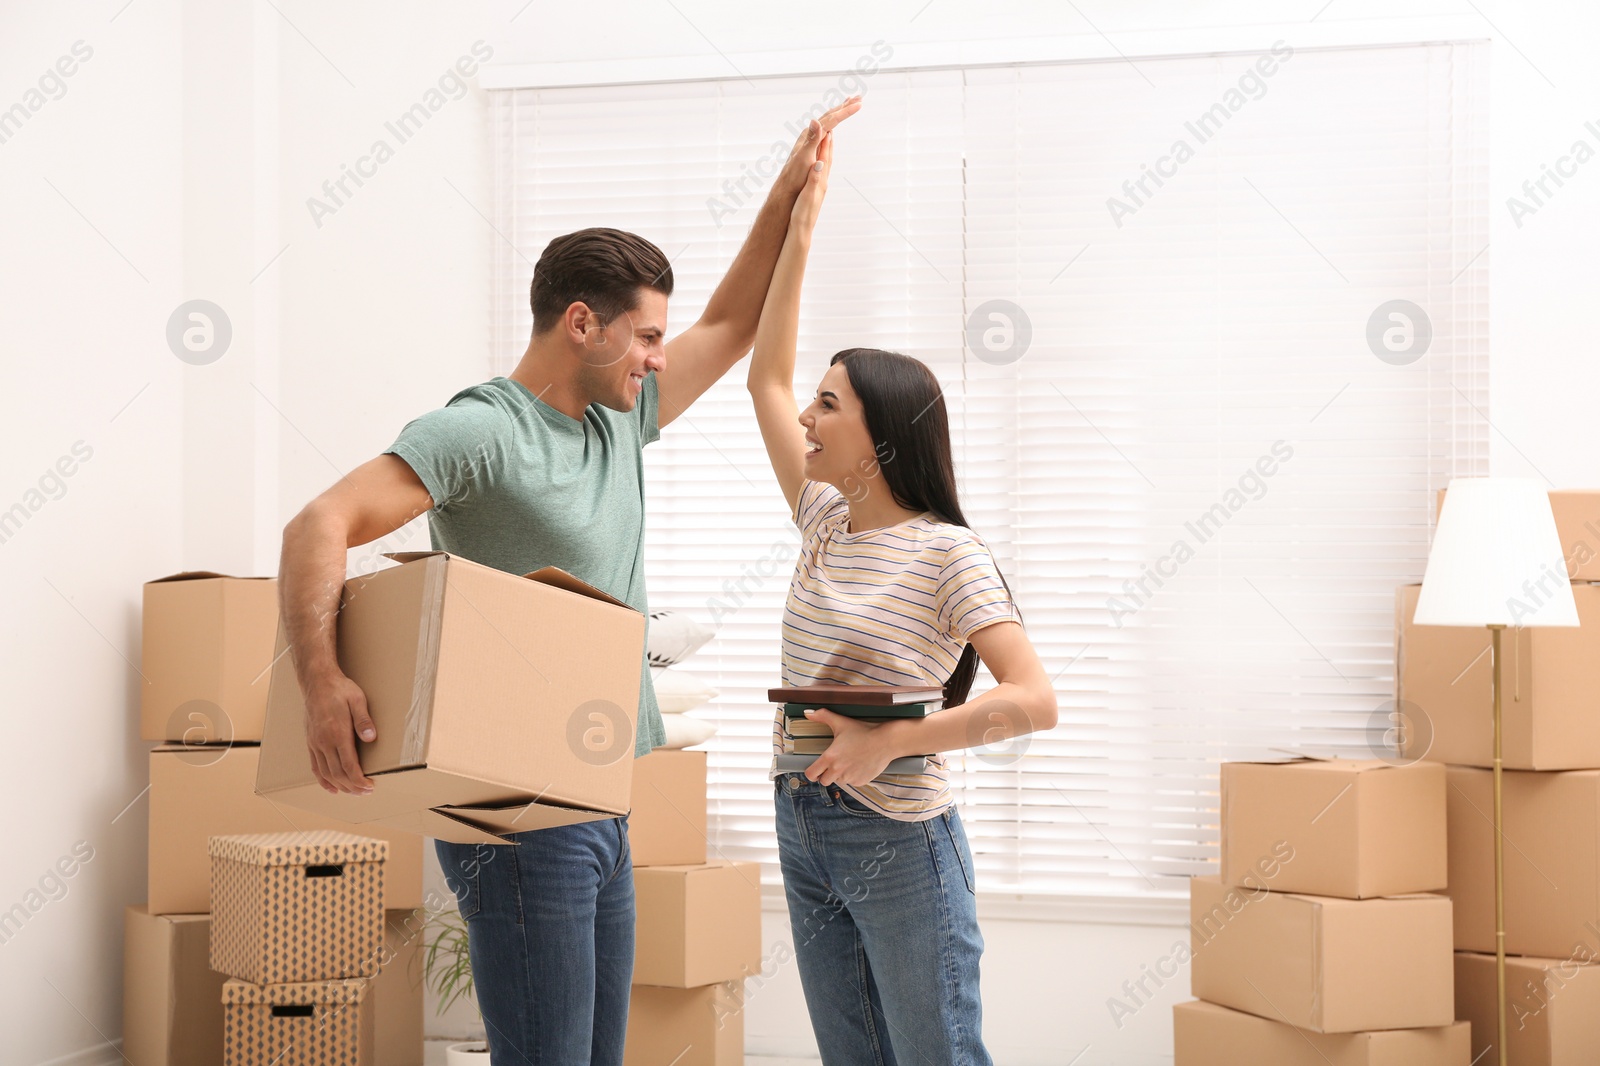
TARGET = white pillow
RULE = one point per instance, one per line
(673, 637)
(678, 691)
(683, 731)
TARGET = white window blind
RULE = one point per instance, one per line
(1223, 324)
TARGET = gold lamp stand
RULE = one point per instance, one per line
(1499, 860)
(1496, 536)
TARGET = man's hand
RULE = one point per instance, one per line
(859, 752)
(336, 711)
(804, 153)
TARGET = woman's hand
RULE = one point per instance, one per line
(808, 205)
(859, 752)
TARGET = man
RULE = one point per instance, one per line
(537, 469)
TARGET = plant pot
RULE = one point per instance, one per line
(471, 1053)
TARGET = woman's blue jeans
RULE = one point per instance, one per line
(885, 929)
(550, 927)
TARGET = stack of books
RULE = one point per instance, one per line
(804, 739)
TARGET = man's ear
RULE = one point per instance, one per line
(578, 320)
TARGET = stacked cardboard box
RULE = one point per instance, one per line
(207, 654)
(1319, 941)
(698, 931)
(1550, 711)
(298, 928)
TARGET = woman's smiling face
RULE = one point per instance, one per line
(838, 445)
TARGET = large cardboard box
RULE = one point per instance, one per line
(1577, 514)
(200, 792)
(696, 925)
(1205, 1034)
(667, 826)
(326, 1023)
(397, 990)
(1322, 963)
(1550, 703)
(293, 908)
(207, 647)
(1552, 860)
(685, 1026)
(1552, 1008)
(1334, 827)
(171, 998)
(502, 703)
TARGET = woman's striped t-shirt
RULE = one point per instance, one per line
(890, 606)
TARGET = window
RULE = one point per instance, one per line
(1203, 475)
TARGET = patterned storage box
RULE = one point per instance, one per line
(296, 907)
(326, 1023)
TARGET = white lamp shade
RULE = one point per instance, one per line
(1496, 559)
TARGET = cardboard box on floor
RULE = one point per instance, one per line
(1552, 860)
(1322, 963)
(207, 646)
(1552, 1008)
(685, 1026)
(1205, 1034)
(200, 792)
(502, 703)
(697, 925)
(1334, 827)
(171, 998)
(1577, 514)
(319, 1023)
(667, 825)
(1550, 705)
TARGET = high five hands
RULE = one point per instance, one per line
(802, 160)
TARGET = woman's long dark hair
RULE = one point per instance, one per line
(910, 430)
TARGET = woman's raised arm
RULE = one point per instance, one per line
(771, 380)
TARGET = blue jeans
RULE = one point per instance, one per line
(885, 928)
(550, 928)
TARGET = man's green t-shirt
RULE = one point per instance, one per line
(518, 485)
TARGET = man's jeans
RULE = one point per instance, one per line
(550, 926)
(885, 929)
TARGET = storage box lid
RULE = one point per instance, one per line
(316, 848)
(235, 991)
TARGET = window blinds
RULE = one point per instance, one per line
(1201, 477)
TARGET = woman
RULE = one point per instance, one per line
(891, 588)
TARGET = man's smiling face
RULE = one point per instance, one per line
(617, 354)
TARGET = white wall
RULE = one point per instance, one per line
(91, 262)
(177, 165)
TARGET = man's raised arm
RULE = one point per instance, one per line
(701, 354)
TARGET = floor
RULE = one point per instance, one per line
(435, 1057)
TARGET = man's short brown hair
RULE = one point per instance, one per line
(604, 268)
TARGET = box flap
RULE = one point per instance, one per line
(484, 825)
(1288, 756)
(519, 818)
(549, 575)
(559, 578)
(438, 826)
(198, 575)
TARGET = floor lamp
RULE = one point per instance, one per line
(1496, 561)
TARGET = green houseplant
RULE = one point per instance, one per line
(447, 969)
